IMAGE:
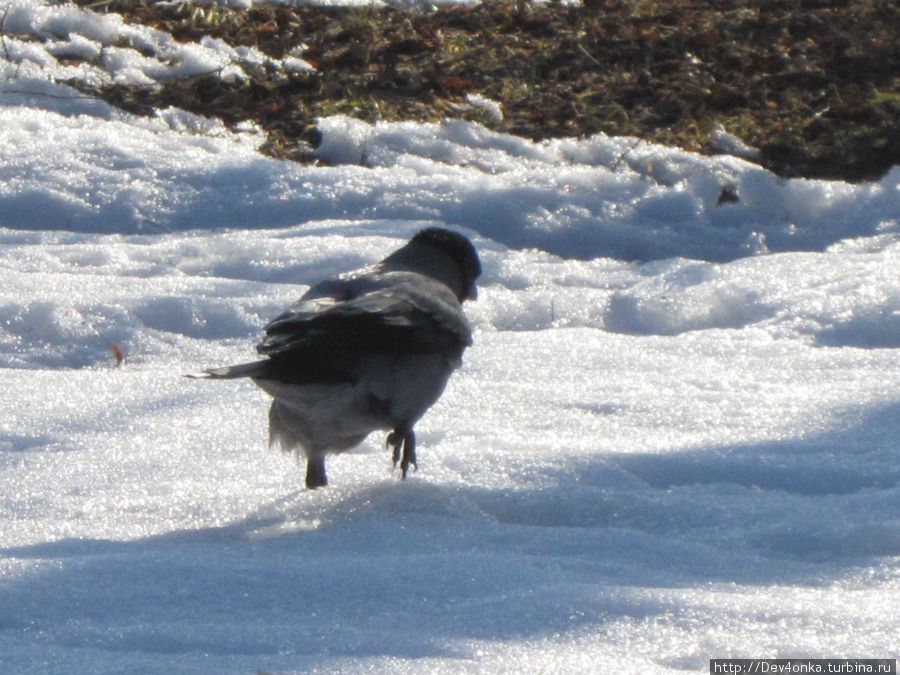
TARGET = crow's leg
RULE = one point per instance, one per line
(409, 453)
(395, 441)
(315, 472)
(407, 439)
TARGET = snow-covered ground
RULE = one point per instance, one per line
(42, 39)
(675, 438)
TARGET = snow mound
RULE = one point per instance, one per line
(38, 36)
(599, 197)
(609, 196)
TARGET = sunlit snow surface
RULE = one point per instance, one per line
(675, 438)
(40, 37)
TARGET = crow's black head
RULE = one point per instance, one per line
(459, 249)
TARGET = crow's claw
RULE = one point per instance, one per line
(395, 441)
(407, 440)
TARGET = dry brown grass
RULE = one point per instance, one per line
(813, 84)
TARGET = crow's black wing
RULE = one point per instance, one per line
(322, 339)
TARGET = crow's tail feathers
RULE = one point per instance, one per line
(254, 369)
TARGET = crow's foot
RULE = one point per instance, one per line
(395, 441)
(406, 439)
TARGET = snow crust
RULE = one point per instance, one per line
(676, 436)
(38, 37)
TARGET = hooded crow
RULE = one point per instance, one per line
(369, 349)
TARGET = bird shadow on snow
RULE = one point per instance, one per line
(412, 569)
